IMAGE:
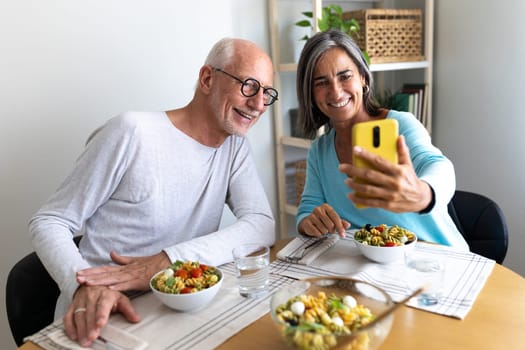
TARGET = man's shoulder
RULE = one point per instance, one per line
(126, 123)
(137, 118)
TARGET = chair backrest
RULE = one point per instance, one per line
(482, 224)
(31, 296)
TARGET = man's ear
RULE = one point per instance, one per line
(205, 79)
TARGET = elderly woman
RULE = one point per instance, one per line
(335, 88)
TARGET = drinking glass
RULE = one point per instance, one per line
(428, 271)
(252, 262)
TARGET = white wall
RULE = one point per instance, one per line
(478, 104)
(68, 66)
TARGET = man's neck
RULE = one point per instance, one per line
(195, 123)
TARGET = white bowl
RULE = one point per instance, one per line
(385, 255)
(190, 301)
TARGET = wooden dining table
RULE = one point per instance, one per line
(496, 321)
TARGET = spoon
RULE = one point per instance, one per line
(394, 307)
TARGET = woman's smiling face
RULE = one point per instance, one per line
(338, 86)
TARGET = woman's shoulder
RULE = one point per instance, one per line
(324, 140)
(401, 116)
(406, 120)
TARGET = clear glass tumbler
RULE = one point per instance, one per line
(428, 271)
(252, 262)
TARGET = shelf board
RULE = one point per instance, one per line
(377, 67)
(288, 67)
(290, 209)
(296, 142)
(381, 67)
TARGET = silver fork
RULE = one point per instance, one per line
(297, 257)
(109, 345)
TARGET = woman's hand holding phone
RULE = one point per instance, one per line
(378, 137)
(384, 184)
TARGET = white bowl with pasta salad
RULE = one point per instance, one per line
(384, 244)
(186, 285)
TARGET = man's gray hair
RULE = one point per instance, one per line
(221, 53)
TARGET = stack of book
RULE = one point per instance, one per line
(412, 98)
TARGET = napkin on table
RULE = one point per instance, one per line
(299, 244)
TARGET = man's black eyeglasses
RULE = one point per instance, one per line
(250, 87)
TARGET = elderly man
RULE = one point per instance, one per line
(150, 188)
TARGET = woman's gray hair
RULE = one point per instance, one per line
(310, 117)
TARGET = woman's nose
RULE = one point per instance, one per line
(336, 88)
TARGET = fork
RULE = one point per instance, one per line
(297, 257)
(109, 345)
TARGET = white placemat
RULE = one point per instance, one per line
(54, 337)
(163, 328)
(465, 275)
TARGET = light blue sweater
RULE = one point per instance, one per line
(325, 184)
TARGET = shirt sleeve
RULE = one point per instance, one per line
(429, 162)
(94, 177)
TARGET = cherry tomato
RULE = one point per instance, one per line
(186, 290)
(181, 273)
(204, 268)
(196, 272)
(390, 244)
(379, 228)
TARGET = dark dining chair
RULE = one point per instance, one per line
(482, 224)
(30, 298)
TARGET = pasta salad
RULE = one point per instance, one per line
(384, 236)
(314, 322)
(184, 277)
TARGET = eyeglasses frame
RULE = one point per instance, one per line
(245, 83)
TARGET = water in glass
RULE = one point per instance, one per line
(253, 270)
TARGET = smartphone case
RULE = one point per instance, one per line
(377, 136)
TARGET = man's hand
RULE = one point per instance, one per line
(323, 220)
(133, 273)
(394, 187)
(90, 310)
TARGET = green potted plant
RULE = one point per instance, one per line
(332, 18)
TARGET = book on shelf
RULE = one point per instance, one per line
(420, 90)
(412, 98)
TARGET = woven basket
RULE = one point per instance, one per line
(390, 35)
(300, 176)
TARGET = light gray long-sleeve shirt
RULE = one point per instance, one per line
(142, 186)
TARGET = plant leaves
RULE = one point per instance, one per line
(308, 14)
(332, 18)
(303, 23)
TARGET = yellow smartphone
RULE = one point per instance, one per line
(377, 136)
